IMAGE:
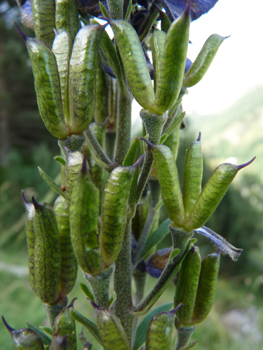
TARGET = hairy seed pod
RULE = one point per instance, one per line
(84, 216)
(30, 239)
(193, 174)
(69, 265)
(134, 62)
(157, 46)
(47, 87)
(114, 212)
(24, 338)
(111, 331)
(72, 168)
(205, 295)
(203, 60)
(64, 330)
(159, 332)
(82, 77)
(61, 48)
(173, 63)
(212, 194)
(169, 181)
(44, 20)
(47, 253)
(67, 17)
(187, 286)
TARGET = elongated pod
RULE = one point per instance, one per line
(134, 62)
(84, 217)
(173, 63)
(159, 332)
(67, 17)
(203, 60)
(114, 212)
(47, 86)
(82, 77)
(193, 174)
(24, 338)
(187, 286)
(157, 46)
(30, 239)
(111, 331)
(205, 295)
(69, 265)
(44, 20)
(169, 181)
(46, 253)
(212, 194)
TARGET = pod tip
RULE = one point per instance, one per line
(84, 165)
(199, 136)
(20, 31)
(245, 164)
(151, 145)
(35, 203)
(72, 303)
(95, 306)
(10, 329)
(24, 198)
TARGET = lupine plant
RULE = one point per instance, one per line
(105, 220)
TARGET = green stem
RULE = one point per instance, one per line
(184, 335)
(93, 142)
(53, 310)
(140, 279)
(100, 285)
(123, 139)
(122, 284)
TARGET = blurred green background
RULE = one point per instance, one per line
(236, 321)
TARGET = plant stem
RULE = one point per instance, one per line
(53, 310)
(123, 139)
(122, 284)
(184, 335)
(100, 286)
(140, 283)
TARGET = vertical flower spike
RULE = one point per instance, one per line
(173, 63)
(82, 77)
(187, 286)
(159, 332)
(212, 194)
(64, 331)
(111, 331)
(30, 239)
(69, 265)
(84, 216)
(67, 17)
(24, 338)
(193, 174)
(47, 86)
(205, 295)
(47, 253)
(44, 20)
(134, 62)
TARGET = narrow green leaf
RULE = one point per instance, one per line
(128, 13)
(163, 138)
(103, 10)
(47, 330)
(92, 327)
(189, 346)
(60, 160)
(140, 336)
(175, 252)
(46, 340)
(156, 237)
(51, 183)
(87, 291)
(175, 123)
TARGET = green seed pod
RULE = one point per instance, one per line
(172, 141)
(64, 331)
(134, 62)
(187, 286)
(61, 48)
(47, 253)
(212, 194)
(157, 46)
(193, 173)
(44, 20)
(69, 266)
(72, 168)
(169, 182)
(47, 87)
(67, 17)
(112, 333)
(114, 212)
(82, 77)
(205, 295)
(30, 239)
(84, 216)
(173, 63)
(24, 338)
(203, 60)
(159, 332)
